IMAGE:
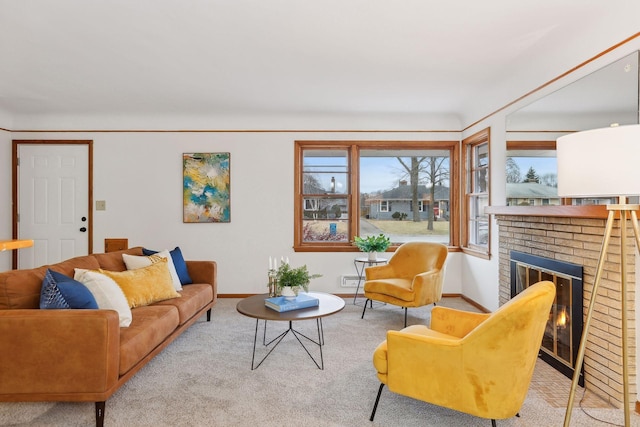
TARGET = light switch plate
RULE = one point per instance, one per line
(101, 205)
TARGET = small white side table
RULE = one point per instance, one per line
(360, 264)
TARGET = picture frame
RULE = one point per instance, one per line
(206, 187)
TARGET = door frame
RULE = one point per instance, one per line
(15, 144)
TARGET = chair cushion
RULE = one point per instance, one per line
(396, 288)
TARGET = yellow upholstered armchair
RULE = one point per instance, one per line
(412, 278)
(477, 363)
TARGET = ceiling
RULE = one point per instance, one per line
(271, 56)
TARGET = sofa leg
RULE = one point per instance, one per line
(405, 317)
(493, 423)
(375, 405)
(209, 315)
(100, 406)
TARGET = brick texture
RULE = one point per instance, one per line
(579, 241)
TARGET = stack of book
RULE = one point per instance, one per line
(282, 304)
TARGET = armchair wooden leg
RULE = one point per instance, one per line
(375, 405)
(365, 308)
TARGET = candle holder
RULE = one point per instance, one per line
(273, 283)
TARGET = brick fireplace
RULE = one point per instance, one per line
(575, 236)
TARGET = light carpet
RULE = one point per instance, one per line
(204, 378)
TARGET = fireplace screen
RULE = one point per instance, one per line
(562, 334)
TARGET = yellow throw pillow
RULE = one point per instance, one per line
(144, 286)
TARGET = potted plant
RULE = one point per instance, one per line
(372, 244)
(290, 280)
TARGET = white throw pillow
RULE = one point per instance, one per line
(133, 262)
(107, 293)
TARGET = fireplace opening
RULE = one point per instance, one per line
(562, 334)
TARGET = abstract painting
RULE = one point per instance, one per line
(206, 187)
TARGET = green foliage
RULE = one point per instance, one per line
(532, 176)
(399, 215)
(378, 243)
(300, 276)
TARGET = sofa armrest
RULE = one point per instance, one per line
(58, 352)
(204, 272)
(455, 322)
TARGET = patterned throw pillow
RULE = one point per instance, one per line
(59, 292)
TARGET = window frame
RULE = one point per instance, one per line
(353, 195)
(469, 148)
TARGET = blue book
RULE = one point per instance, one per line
(301, 301)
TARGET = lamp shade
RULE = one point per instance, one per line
(599, 163)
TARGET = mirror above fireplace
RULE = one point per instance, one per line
(608, 95)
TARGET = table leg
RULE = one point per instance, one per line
(359, 273)
(278, 339)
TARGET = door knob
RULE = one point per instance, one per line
(83, 229)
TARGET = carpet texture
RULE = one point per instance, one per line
(205, 379)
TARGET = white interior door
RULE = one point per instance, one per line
(53, 192)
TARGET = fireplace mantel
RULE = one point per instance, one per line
(589, 211)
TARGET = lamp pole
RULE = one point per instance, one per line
(623, 209)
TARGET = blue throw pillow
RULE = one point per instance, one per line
(60, 291)
(178, 262)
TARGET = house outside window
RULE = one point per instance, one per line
(532, 173)
(476, 225)
(345, 189)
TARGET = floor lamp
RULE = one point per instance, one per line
(603, 163)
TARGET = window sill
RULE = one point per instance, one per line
(479, 253)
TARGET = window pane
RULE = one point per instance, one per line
(405, 194)
(481, 181)
(325, 219)
(532, 178)
(482, 156)
(325, 172)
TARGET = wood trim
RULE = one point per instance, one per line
(14, 185)
(589, 211)
(531, 145)
(561, 76)
(480, 137)
(354, 147)
(233, 130)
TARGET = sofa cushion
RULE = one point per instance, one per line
(60, 292)
(112, 261)
(145, 286)
(178, 262)
(107, 293)
(194, 298)
(134, 262)
(21, 288)
(151, 325)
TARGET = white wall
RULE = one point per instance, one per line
(139, 175)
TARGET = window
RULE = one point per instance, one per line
(476, 226)
(532, 169)
(532, 173)
(345, 189)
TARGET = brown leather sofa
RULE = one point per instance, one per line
(84, 355)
